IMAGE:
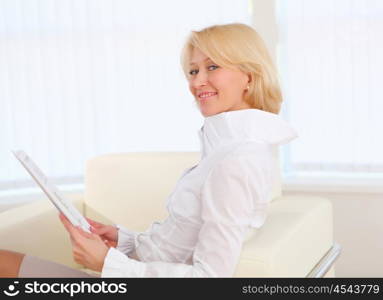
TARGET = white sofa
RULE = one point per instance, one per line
(131, 189)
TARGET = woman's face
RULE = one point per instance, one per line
(225, 88)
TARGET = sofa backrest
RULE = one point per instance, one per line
(131, 188)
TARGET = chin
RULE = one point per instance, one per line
(211, 113)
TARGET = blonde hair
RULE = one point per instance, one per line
(238, 46)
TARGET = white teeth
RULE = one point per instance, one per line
(207, 95)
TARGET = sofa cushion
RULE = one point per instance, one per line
(131, 189)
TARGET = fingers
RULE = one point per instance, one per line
(85, 234)
(77, 257)
(110, 244)
(99, 231)
(107, 243)
(75, 232)
(67, 224)
(94, 223)
(71, 228)
(63, 217)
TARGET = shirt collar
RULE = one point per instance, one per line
(244, 125)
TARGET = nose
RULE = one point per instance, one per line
(200, 79)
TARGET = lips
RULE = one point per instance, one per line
(206, 95)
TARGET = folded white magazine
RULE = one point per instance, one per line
(62, 204)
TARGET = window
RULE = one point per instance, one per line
(80, 78)
(329, 54)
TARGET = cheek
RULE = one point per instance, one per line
(219, 80)
(226, 82)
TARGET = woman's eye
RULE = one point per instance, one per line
(213, 66)
(192, 71)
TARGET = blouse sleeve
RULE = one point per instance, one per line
(227, 206)
(126, 241)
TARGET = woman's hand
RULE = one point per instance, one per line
(88, 248)
(108, 233)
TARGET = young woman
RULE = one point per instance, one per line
(235, 86)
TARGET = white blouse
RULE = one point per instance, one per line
(213, 205)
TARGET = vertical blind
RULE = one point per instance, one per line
(330, 57)
(80, 78)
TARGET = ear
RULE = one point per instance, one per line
(249, 78)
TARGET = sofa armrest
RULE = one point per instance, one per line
(35, 229)
(296, 236)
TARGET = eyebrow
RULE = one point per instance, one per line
(193, 63)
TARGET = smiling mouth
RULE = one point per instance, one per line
(207, 97)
